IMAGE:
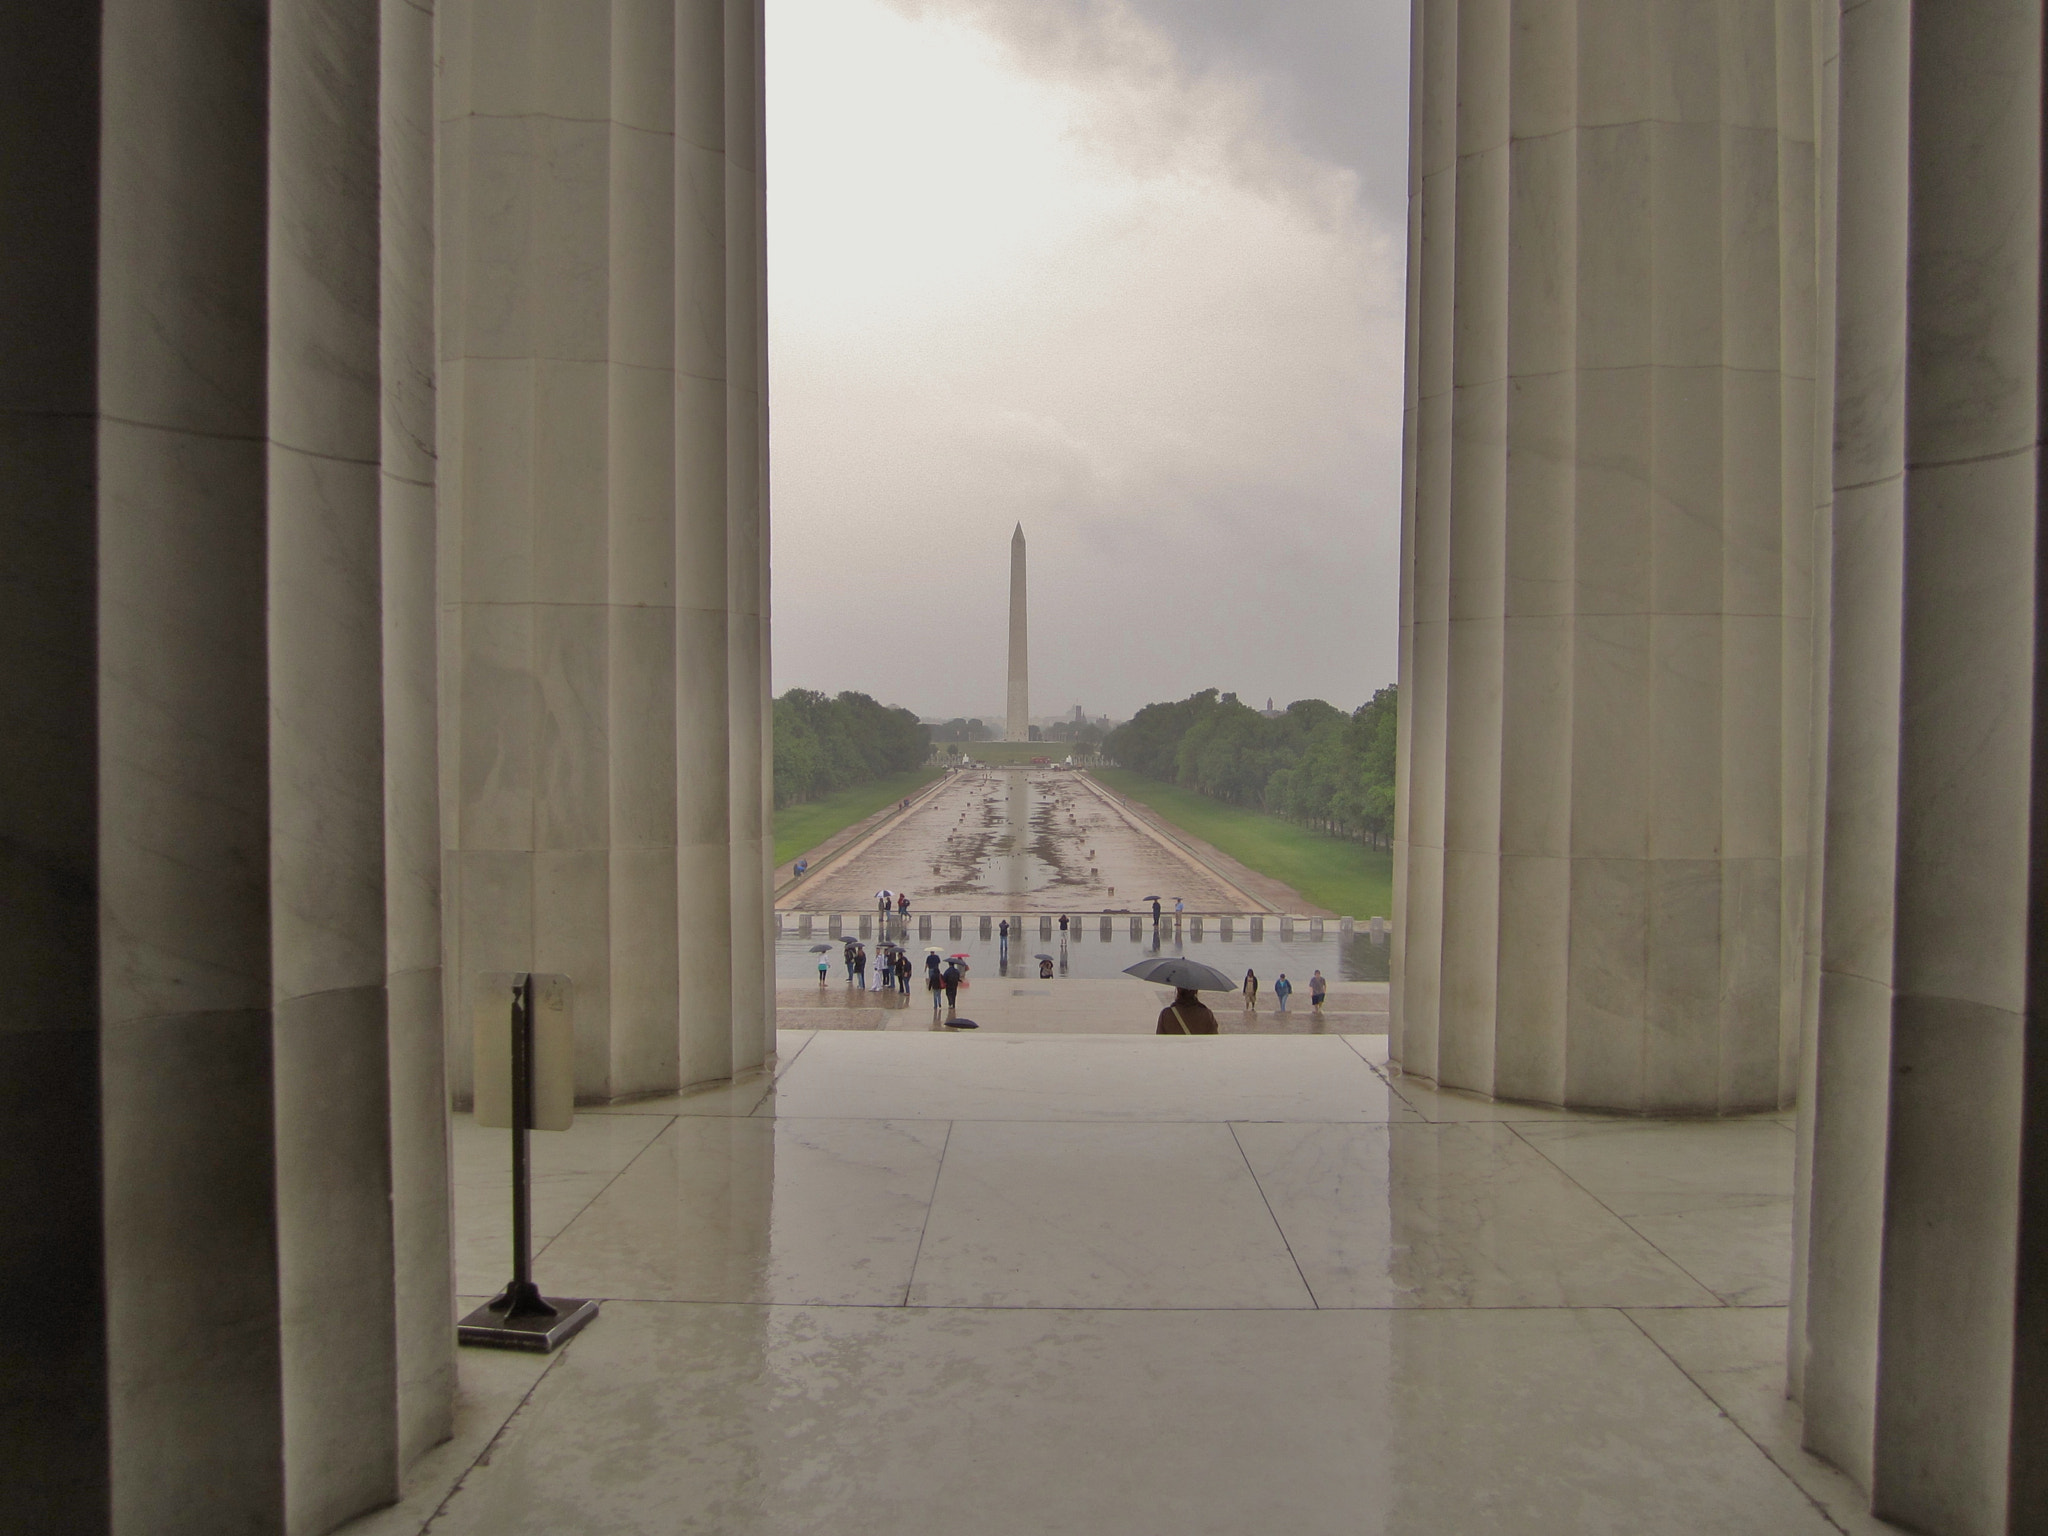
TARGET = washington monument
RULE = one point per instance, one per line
(1018, 727)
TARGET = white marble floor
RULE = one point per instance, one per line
(921, 1283)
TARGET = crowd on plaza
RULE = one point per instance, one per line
(945, 975)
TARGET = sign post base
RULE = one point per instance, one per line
(499, 1325)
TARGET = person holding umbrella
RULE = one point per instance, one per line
(951, 979)
(1187, 1014)
(1045, 967)
(1155, 911)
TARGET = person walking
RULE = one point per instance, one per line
(824, 970)
(1187, 1014)
(1283, 989)
(1317, 990)
(951, 978)
(934, 983)
(903, 904)
(903, 974)
(1251, 989)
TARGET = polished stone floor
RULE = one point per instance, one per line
(1011, 1284)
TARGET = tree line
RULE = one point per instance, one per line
(1312, 763)
(825, 744)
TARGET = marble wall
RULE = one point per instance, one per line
(1697, 291)
(1609, 488)
(603, 552)
(226, 1132)
(1920, 1336)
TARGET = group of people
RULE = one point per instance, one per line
(887, 900)
(893, 971)
(1318, 989)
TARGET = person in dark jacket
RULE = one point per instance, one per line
(1251, 989)
(1187, 1014)
(951, 979)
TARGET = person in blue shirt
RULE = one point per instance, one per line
(1283, 989)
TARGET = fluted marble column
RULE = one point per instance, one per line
(1923, 1297)
(1605, 587)
(223, 1169)
(603, 576)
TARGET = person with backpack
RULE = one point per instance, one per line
(1187, 1014)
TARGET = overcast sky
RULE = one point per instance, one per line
(1126, 271)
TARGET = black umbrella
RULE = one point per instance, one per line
(961, 1024)
(819, 949)
(1179, 971)
(1148, 898)
(1041, 956)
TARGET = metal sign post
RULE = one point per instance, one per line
(520, 1317)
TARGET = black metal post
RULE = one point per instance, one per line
(520, 1317)
(522, 1297)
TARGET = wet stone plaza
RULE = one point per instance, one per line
(918, 1284)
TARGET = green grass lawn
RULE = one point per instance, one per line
(799, 828)
(1335, 872)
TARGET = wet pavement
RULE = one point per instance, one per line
(1033, 1006)
(1016, 841)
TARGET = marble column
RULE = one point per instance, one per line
(222, 1165)
(1608, 488)
(1922, 1333)
(421, 1197)
(603, 548)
